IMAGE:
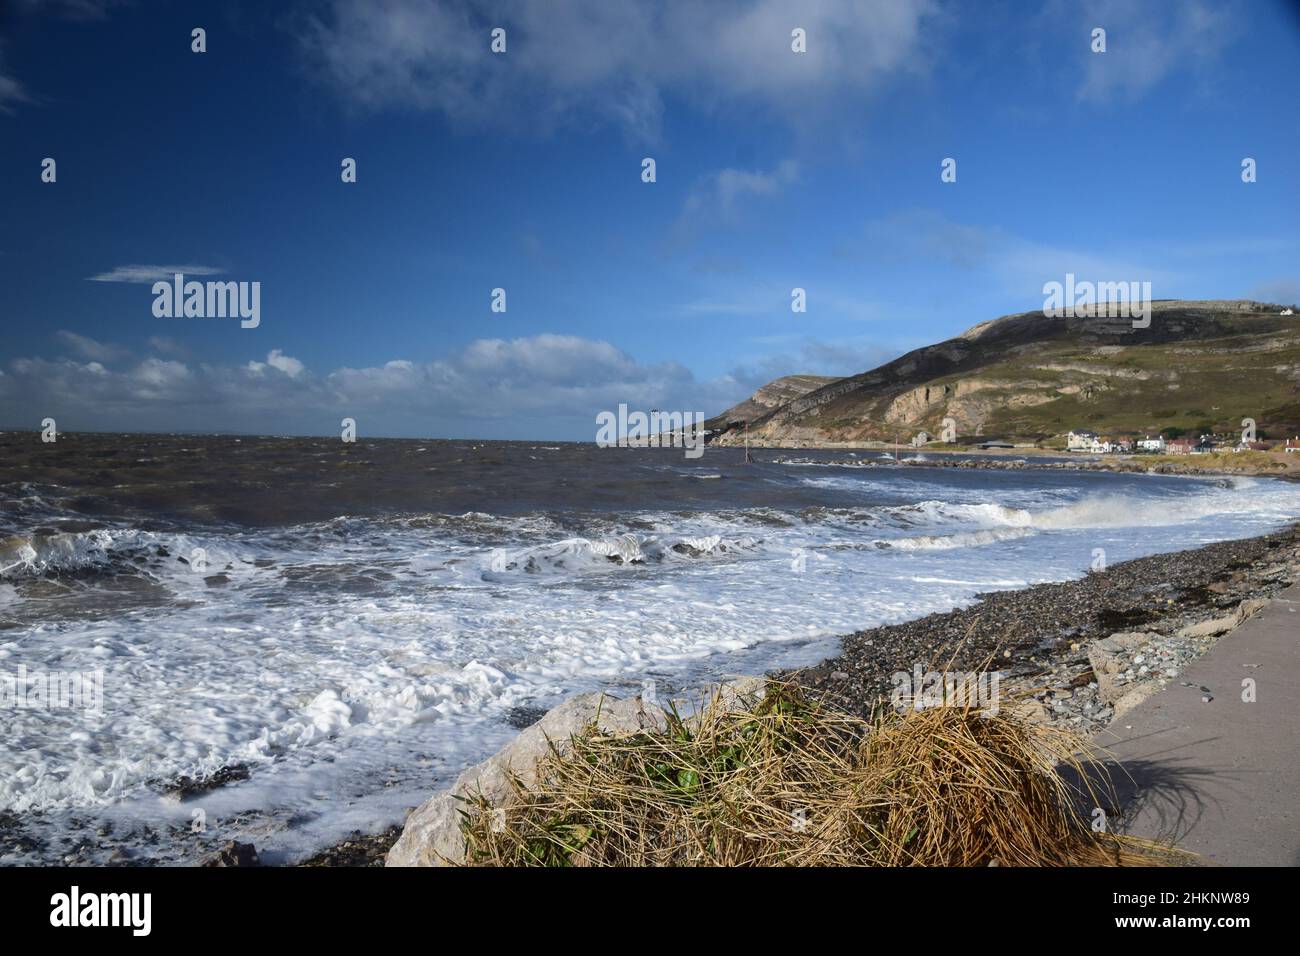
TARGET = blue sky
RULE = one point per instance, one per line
(522, 170)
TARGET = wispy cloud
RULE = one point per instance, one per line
(151, 274)
(755, 298)
(753, 306)
(71, 9)
(85, 347)
(807, 355)
(1018, 264)
(1284, 291)
(723, 193)
(166, 345)
(11, 91)
(1147, 43)
(616, 62)
(724, 197)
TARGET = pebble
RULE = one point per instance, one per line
(1044, 632)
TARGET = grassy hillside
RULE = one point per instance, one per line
(1201, 365)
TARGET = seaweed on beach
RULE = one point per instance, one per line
(794, 782)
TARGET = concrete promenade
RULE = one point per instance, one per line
(1220, 778)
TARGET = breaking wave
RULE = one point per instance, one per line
(961, 539)
(583, 554)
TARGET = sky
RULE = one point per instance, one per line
(523, 171)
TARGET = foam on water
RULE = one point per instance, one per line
(354, 665)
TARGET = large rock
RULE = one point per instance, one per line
(234, 854)
(1104, 656)
(432, 834)
(1034, 711)
(1212, 627)
(1251, 607)
(1124, 640)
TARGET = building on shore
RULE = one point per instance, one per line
(1155, 444)
(1080, 440)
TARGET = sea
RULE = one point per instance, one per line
(283, 640)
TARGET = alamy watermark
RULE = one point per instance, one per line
(53, 690)
(657, 429)
(923, 689)
(208, 300)
(1126, 300)
(76, 909)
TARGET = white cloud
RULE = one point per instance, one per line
(150, 274)
(614, 61)
(157, 378)
(277, 360)
(288, 365)
(540, 385)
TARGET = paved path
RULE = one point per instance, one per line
(1221, 779)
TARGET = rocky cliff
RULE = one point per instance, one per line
(1029, 376)
(771, 396)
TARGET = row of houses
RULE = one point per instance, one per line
(1084, 440)
(1210, 443)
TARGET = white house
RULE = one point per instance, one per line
(1080, 440)
(1287, 312)
(1156, 444)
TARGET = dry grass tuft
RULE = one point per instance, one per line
(790, 782)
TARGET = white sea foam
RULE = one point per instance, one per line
(355, 664)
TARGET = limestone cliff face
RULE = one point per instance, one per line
(969, 402)
(1030, 376)
(771, 396)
